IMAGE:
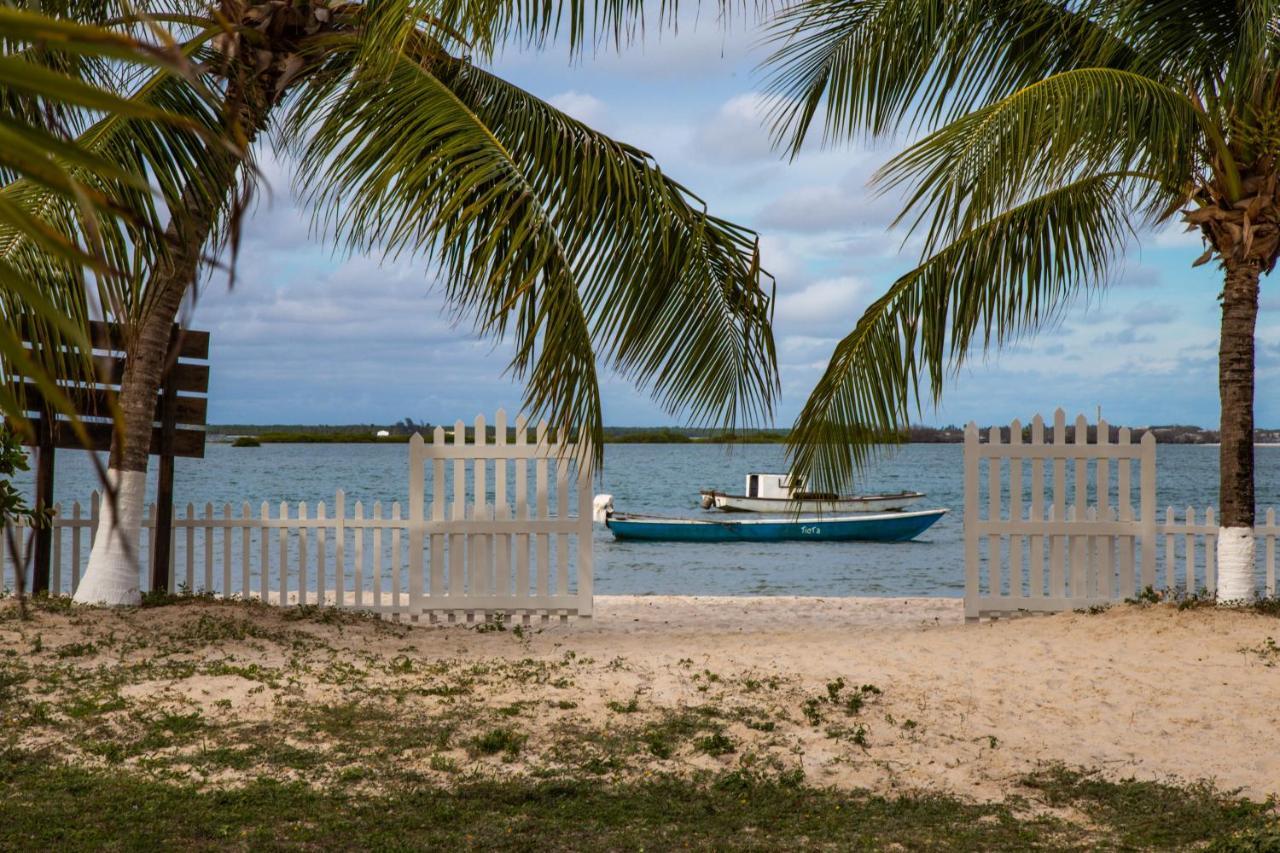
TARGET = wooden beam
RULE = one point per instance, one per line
(191, 378)
(189, 342)
(96, 402)
(186, 442)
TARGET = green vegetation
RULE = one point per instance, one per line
(246, 441)
(45, 805)
(332, 438)
(198, 723)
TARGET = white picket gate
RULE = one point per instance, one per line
(1056, 531)
(492, 538)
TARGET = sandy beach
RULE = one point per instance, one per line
(886, 694)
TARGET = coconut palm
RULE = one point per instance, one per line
(573, 246)
(1049, 133)
(42, 91)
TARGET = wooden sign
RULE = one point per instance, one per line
(182, 408)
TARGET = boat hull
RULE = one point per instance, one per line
(816, 506)
(885, 527)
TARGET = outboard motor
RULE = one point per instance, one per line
(601, 507)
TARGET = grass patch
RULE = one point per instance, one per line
(47, 806)
(508, 741)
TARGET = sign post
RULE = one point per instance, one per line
(181, 409)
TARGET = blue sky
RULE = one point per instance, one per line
(310, 337)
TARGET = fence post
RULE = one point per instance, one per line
(586, 530)
(1147, 501)
(417, 497)
(340, 548)
(971, 486)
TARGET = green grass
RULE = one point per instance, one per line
(47, 806)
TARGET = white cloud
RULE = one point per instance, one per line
(831, 303)
(586, 108)
(736, 133)
(1151, 314)
(1176, 236)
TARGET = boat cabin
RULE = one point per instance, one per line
(773, 485)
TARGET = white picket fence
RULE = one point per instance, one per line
(1056, 532)
(491, 530)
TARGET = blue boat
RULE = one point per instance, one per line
(878, 527)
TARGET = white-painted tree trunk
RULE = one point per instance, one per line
(1235, 565)
(112, 576)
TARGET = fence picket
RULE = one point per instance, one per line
(264, 546)
(303, 536)
(1079, 541)
(226, 550)
(1271, 553)
(357, 541)
(458, 512)
(971, 611)
(543, 539)
(1124, 512)
(340, 548)
(320, 549)
(523, 589)
(1104, 565)
(75, 547)
(375, 590)
(1058, 544)
(993, 514)
(246, 541)
(502, 510)
(1036, 543)
(1190, 554)
(284, 553)
(1015, 511)
(437, 514)
(478, 546)
(396, 599)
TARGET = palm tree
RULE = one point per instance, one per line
(1051, 132)
(572, 245)
(42, 90)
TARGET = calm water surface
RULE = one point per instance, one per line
(665, 479)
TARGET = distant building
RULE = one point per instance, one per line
(382, 433)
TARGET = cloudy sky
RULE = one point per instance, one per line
(310, 337)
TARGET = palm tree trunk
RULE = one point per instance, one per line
(1235, 387)
(113, 574)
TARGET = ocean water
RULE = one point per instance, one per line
(665, 479)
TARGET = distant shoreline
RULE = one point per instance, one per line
(273, 434)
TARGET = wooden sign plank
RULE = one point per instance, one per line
(192, 378)
(191, 343)
(110, 336)
(96, 402)
(187, 443)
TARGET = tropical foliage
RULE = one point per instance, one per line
(1049, 134)
(574, 247)
(55, 217)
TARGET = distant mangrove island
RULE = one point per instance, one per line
(249, 435)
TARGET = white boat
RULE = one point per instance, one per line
(785, 494)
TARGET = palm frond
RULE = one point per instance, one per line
(1081, 122)
(87, 202)
(545, 230)
(1000, 280)
(875, 66)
